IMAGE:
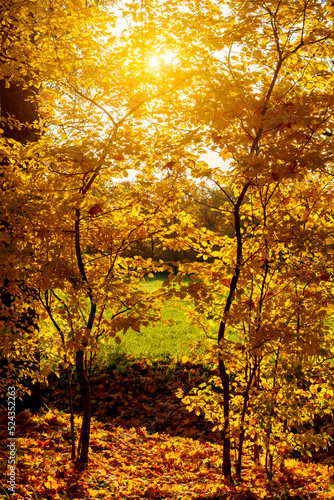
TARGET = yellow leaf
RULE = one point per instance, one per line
(92, 493)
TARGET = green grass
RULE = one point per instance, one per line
(159, 341)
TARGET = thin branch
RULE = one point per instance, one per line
(93, 101)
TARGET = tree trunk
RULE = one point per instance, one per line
(226, 469)
(243, 419)
(70, 400)
(18, 104)
(85, 391)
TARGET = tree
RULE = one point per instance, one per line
(266, 107)
(277, 342)
(77, 220)
(19, 122)
(246, 79)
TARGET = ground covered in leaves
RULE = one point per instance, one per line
(144, 444)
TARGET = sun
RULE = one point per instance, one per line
(161, 59)
(154, 62)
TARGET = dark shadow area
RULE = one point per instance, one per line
(139, 393)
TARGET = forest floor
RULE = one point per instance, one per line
(144, 444)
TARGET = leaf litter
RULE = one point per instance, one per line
(177, 457)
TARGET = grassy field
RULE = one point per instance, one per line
(159, 341)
